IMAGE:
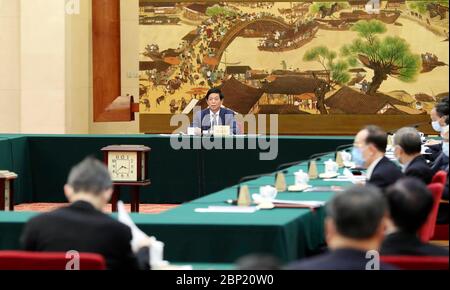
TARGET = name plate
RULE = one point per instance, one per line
(222, 131)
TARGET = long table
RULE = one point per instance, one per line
(43, 162)
(192, 237)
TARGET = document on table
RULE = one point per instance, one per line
(136, 234)
(324, 189)
(228, 209)
(309, 203)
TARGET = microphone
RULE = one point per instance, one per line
(285, 165)
(315, 156)
(343, 147)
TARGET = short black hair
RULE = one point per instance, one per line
(409, 139)
(215, 91)
(377, 137)
(90, 176)
(442, 108)
(358, 211)
(410, 203)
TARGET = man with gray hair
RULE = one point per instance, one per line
(407, 150)
(354, 226)
(82, 226)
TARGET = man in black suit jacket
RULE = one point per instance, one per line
(410, 203)
(407, 148)
(443, 214)
(439, 119)
(82, 226)
(368, 152)
(441, 162)
(354, 231)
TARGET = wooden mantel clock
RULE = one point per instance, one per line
(128, 165)
(7, 190)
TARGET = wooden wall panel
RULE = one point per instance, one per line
(106, 59)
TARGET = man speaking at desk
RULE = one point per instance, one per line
(215, 114)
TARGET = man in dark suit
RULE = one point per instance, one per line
(407, 150)
(215, 114)
(439, 119)
(443, 214)
(354, 228)
(410, 203)
(441, 162)
(82, 226)
(368, 152)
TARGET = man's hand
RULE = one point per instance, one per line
(432, 142)
(144, 242)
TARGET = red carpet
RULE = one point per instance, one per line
(44, 207)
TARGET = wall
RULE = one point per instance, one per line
(42, 32)
(46, 71)
(10, 66)
(130, 65)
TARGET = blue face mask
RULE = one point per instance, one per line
(445, 148)
(436, 126)
(357, 157)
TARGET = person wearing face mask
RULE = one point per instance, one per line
(368, 152)
(439, 117)
(441, 162)
(407, 148)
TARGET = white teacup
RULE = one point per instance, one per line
(301, 178)
(331, 167)
(268, 192)
(346, 157)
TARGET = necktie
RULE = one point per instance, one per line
(214, 120)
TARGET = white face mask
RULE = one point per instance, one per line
(436, 126)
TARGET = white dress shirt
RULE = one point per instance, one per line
(215, 116)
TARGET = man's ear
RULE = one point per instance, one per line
(330, 229)
(68, 192)
(372, 149)
(384, 225)
(107, 195)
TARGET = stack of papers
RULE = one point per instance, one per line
(300, 203)
(324, 189)
(228, 209)
(306, 203)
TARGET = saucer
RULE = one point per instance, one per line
(298, 187)
(328, 175)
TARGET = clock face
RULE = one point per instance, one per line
(123, 166)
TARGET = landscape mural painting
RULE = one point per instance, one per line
(304, 57)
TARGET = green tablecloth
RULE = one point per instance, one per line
(43, 162)
(222, 238)
(207, 266)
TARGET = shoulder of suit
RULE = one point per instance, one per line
(97, 217)
(228, 111)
